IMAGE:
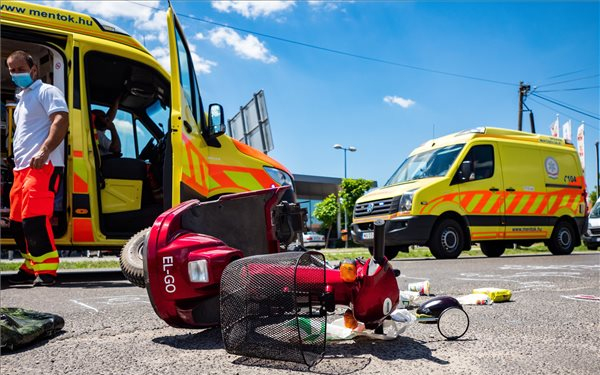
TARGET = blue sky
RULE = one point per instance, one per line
(317, 98)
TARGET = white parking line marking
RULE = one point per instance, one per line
(84, 305)
(587, 298)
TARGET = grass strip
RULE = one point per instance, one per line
(423, 252)
(99, 264)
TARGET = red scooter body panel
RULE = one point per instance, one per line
(375, 296)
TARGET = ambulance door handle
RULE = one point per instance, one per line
(187, 126)
(510, 189)
(494, 189)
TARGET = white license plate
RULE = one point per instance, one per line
(367, 236)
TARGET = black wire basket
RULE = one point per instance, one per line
(273, 307)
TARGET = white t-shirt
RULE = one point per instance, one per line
(36, 104)
(103, 143)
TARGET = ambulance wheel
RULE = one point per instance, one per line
(562, 240)
(493, 249)
(132, 258)
(447, 240)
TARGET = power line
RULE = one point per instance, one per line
(335, 51)
(569, 73)
(570, 80)
(571, 89)
(594, 116)
(562, 113)
(570, 105)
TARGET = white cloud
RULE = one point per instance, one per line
(404, 103)
(199, 36)
(321, 4)
(202, 65)
(53, 3)
(253, 9)
(114, 9)
(149, 24)
(248, 48)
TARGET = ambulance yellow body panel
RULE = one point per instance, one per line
(492, 186)
(172, 150)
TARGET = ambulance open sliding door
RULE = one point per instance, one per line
(525, 197)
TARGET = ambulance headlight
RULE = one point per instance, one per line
(282, 178)
(406, 200)
(198, 271)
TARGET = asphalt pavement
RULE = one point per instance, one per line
(111, 328)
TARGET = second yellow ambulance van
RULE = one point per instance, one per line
(492, 186)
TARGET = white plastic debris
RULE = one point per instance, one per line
(401, 320)
(408, 297)
(475, 299)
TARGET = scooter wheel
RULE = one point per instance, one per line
(132, 258)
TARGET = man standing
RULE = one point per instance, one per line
(41, 119)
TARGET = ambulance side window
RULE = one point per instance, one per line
(124, 124)
(482, 162)
(188, 79)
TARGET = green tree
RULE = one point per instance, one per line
(326, 212)
(593, 196)
(352, 189)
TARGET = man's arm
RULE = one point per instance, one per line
(58, 131)
(112, 111)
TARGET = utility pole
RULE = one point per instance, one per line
(523, 91)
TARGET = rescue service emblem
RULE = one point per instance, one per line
(551, 167)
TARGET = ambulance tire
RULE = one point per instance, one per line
(493, 249)
(562, 240)
(447, 240)
(132, 258)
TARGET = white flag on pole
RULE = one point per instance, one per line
(566, 128)
(554, 128)
(580, 145)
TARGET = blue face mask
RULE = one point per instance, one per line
(22, 80)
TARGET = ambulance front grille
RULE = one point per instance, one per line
(380, 207)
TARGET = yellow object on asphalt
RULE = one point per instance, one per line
(496, 294)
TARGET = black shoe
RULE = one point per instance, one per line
(44, 280)
(21, 278)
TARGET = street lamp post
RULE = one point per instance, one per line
(351, 149)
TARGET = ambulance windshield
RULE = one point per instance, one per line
(595, 212)
(433, 163)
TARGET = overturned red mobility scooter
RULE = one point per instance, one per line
(227, 263)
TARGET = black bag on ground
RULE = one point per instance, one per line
(20, 327)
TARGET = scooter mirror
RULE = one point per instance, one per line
(453, 323)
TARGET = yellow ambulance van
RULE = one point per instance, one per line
(171, 151)
(495, 187)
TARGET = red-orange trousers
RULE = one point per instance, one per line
(31, 207)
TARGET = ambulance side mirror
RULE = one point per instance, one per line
(216, 120)
(463, 172)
